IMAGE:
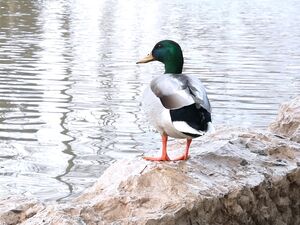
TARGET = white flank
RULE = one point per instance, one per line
(185, 128)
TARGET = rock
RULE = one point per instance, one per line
(14, 209)
(211, 188)
(287, 123)
(234, 176)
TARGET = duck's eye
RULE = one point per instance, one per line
(159, 46)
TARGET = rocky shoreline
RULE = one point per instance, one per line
(234, 176)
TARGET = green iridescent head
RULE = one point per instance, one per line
(169, 53)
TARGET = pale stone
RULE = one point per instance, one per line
(15, 209)
(287, 123)
(210, 188)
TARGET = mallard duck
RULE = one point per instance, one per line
(176, 104)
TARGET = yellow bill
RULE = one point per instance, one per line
(148, 58)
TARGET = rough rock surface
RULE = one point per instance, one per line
(14, 210)
(234, 176)
(287, 122)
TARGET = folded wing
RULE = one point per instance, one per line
(177, 91)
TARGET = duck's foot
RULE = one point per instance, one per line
(183, 157)
(162, 158)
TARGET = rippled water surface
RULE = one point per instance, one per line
(70, 89)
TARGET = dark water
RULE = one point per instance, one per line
(70, 89)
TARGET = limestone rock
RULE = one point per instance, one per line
(14, 209)
(287, 122)
(232, 177)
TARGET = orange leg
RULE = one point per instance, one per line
(186, 152)
(164, 155)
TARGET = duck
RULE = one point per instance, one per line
(176, 104)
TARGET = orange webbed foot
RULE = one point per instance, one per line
(162, 158)
(183, 157)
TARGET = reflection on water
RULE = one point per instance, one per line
(70, 90)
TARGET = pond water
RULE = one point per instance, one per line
(70, 90)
